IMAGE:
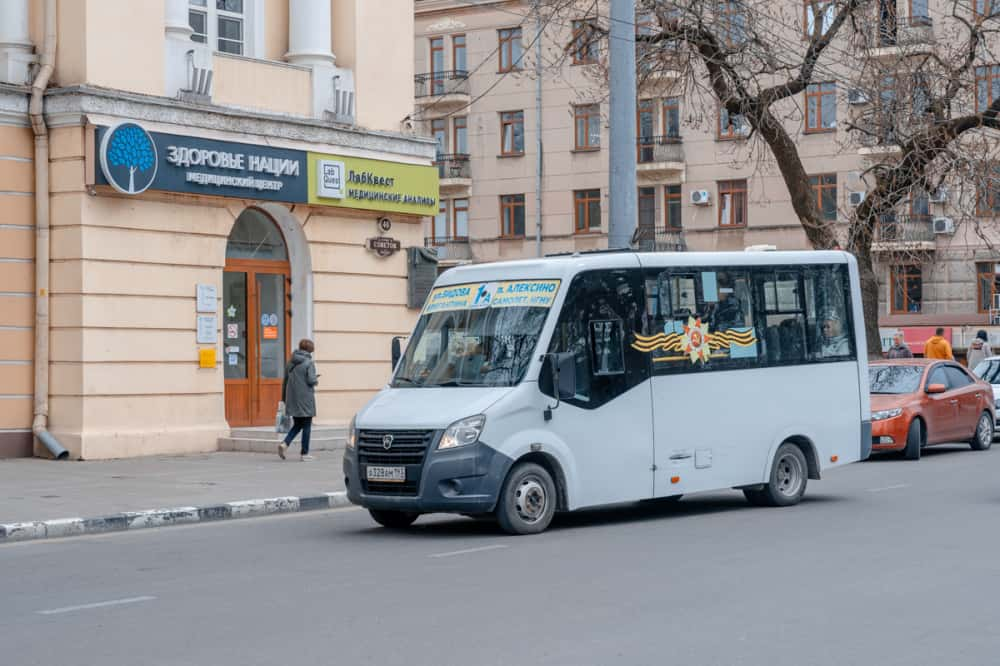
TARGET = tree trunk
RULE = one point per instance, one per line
(869, 302)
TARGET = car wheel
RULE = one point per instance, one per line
(396, 520)
(914, 440)
(787, 485)
(527, 501)
(983, 438)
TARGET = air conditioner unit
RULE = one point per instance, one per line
(856, 96)
(855, 198)
(700, 197)
(944, 225)
(938, 196)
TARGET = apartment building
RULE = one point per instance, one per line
(701, 185)
(220, 179)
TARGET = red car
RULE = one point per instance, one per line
(919, 402)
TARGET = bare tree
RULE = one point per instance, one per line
(923, 105)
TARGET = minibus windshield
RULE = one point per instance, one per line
(476, 335)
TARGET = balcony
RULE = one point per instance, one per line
(879, 143)
(449, 248)
(892, 38)
(659, 158)
(439, 93)
(904, 234)
(454, 174)
(659, 240)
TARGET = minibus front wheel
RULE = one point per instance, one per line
(527, 501)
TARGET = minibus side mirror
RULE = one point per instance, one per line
(397, 352)
(558, 378)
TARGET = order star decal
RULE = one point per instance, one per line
(695, 340)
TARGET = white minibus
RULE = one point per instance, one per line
(537, 386)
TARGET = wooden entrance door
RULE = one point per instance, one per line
(257, 320)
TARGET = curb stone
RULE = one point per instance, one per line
(185, 515)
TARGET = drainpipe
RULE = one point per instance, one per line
(40, 425)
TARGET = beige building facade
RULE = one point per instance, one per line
(223, 179)
(701, 186)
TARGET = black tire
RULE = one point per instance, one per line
(982, 440)
(914, 440)
(394, 520)
(787, 484)
(527, 500)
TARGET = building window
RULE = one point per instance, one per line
(733, 126)
(672, 118)
(732, 22)
(512, 133)
(987, 86)
(645, 124)
(587, 120)
(907, 289)
(587, 210)
(819, 11)
(512, 216)
(647, 211)
(439, 130)
(732, 203)
(460, 220)
(584, 44)
(920, 208)
(460, 128)
(437, 65)
(672, 199)
(983, 9)
(458, 56)
(218, 22)
(509, 49)
(988, 195)
(988, 277)
(821, 107)
(825, 187)
(440, 231)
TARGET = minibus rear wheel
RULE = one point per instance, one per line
(396, 520)
(787, 483)
(527, 501)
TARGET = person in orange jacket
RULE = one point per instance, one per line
(938, 347)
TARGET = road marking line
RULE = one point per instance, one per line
(895, 487)
(100, 604)
(469, 550)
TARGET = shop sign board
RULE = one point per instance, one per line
(355, 182)
(133, 160)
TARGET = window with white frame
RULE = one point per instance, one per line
(222, 24)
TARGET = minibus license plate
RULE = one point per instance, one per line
(387, 474)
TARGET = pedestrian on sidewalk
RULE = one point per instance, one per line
(979, 350)
(937, 347)
(299, 393)
(899, 348)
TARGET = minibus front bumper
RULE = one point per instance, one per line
(466, 479)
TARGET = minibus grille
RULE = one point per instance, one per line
(408, 449)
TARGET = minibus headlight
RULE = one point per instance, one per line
(352, 433)
(462, 433)
(886, 414)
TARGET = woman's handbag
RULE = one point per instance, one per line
(282, 422)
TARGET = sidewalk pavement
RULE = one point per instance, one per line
(43, 498)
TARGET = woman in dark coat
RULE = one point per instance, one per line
(299, 394)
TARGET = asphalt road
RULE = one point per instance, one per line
(887, 562)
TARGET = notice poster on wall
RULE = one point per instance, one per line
(207, 328)
(207, 297)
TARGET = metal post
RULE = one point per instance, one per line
(538, 132)
(622, 190)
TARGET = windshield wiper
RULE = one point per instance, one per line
(413, 382)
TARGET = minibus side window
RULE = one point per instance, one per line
(699, 319)
(784, 315)
(830, 325)
(599, 319)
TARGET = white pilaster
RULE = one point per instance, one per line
(176, 25)
(309, 25)
(16, 50)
